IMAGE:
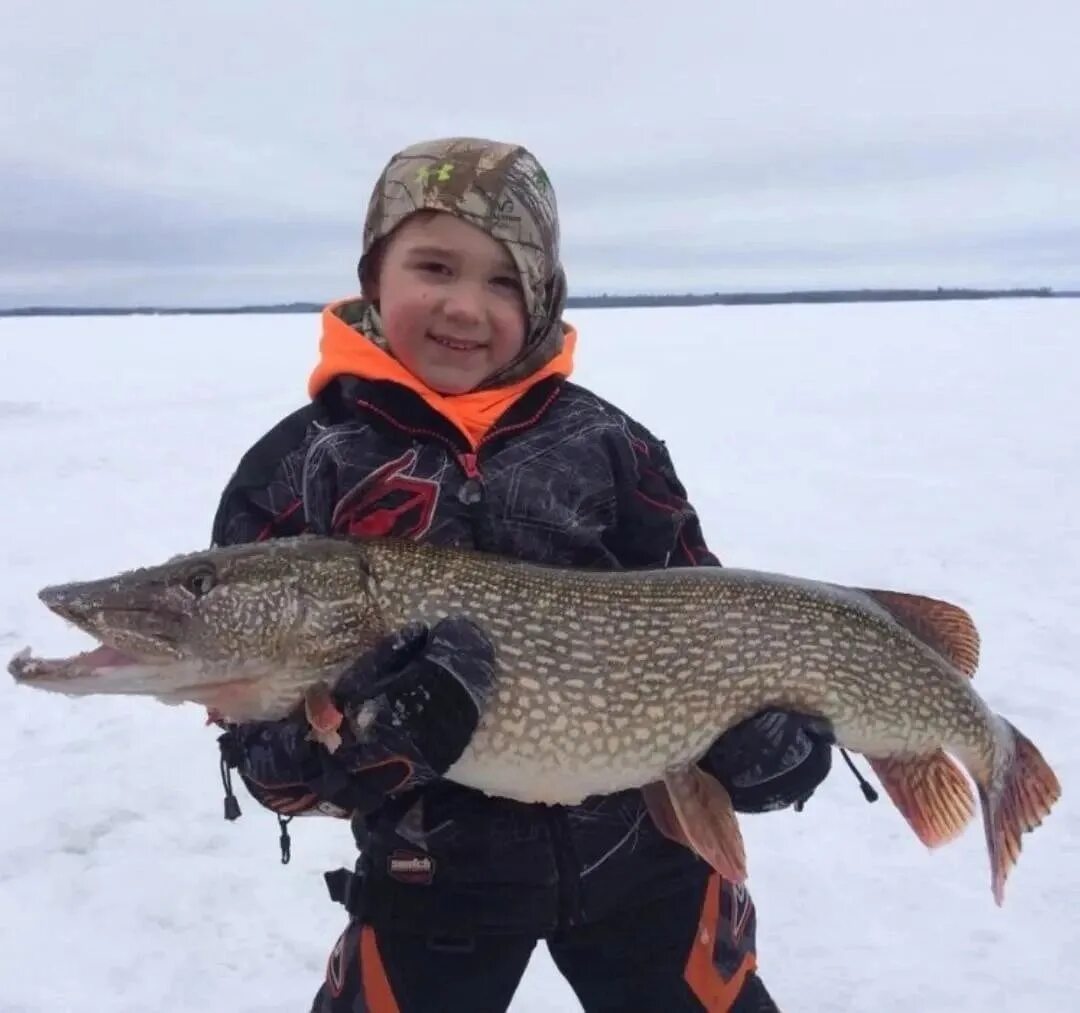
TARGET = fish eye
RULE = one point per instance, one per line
(200, 582)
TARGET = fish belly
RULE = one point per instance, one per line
(532, 782)
(563, 756)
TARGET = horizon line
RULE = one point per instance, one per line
(865, 294)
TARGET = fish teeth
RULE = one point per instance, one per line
(24, 664)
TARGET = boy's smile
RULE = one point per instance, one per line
(450, 301)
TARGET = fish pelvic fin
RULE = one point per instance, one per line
(931, 791)
(693, 808)
(1022, 792)
(946, 628)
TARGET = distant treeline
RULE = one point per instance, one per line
(599, 301)
(816, 296)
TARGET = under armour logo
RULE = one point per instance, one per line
(442, 173)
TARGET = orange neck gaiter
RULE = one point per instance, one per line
(345, 351)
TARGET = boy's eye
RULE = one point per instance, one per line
(508, 281)
(432, 267)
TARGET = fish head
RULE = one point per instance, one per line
(237, 629)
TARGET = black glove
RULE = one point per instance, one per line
(418, 693)
(771, 761)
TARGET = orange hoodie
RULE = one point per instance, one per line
(344, 351)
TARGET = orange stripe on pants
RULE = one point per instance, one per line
(378, 994)
(715, 992)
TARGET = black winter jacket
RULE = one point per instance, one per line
(563, 477)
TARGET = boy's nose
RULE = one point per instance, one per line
(463, 305)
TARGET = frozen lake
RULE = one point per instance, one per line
(923, 447)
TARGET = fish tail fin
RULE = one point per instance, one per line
(930, 790)
(691, 807)
(1022, 790)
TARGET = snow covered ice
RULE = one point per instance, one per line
(924, 447)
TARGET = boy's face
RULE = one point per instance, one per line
(450, 301)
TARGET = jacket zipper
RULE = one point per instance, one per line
(568, 889)
(469, 465)
(569, 892)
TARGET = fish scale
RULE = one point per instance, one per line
(715, 646)
(605, 680)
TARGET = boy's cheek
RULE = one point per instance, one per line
(404, 325)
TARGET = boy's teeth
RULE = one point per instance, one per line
(451, 343)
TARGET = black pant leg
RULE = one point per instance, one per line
(373, 971)
(686, 953)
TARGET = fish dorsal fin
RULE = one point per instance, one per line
(948, 629)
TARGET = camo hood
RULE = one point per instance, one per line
(502, 189)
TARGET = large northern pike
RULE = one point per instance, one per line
(606, 680)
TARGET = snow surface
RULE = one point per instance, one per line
(933, 448)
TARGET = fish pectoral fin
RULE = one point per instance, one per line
(323, 716)
(931, 791)
(693, 808)
(946, 628)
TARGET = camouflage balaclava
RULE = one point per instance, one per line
(504, 190)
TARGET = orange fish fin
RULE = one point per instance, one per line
(947, 628)
(693, 808)
(931, 792)
(323, 715)
(1028, 791)
(658, 802)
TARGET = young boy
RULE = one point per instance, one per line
(441, 410)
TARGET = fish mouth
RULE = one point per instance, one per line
(89, 665)
(107, 670)
(104, 669)
(131, 636)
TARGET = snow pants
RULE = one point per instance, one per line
(687, 953)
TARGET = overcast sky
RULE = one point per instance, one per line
(222, 151)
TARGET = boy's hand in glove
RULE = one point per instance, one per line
(771, 761)
(418, 692)
(401, 714)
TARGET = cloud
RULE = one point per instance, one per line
(228, 150)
